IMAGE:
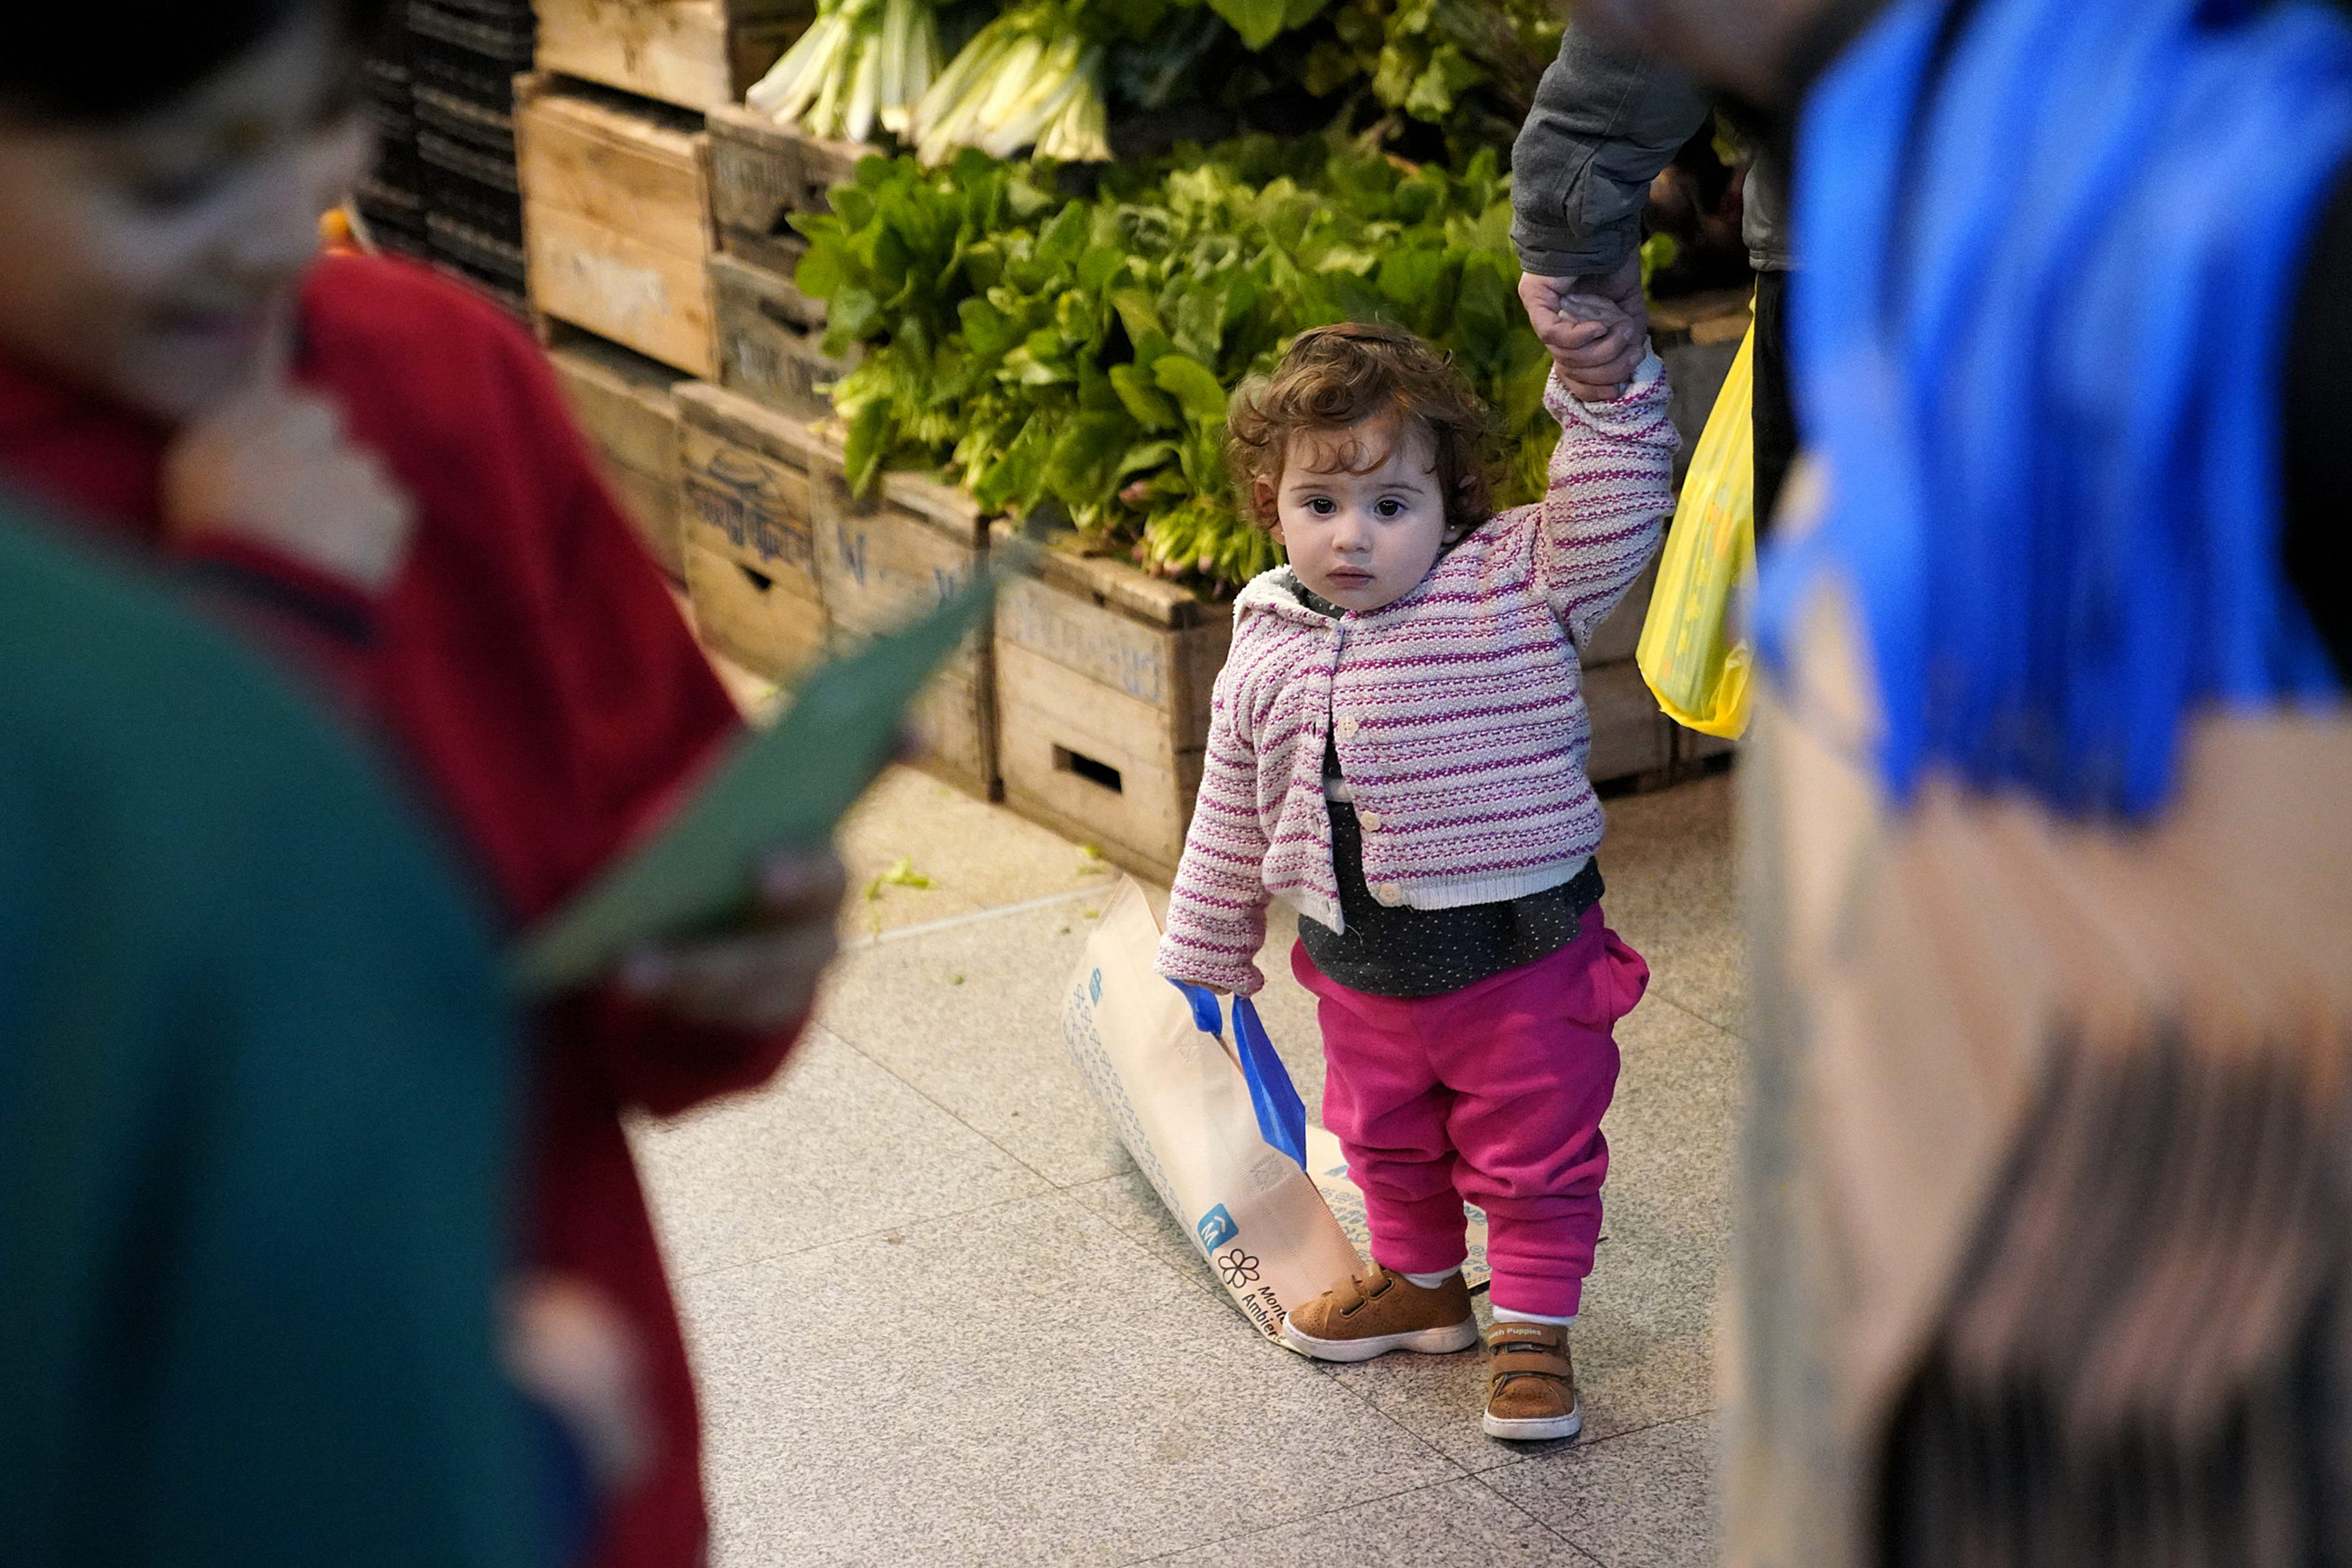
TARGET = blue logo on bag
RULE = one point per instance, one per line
(1094, 988)
(1216, 1229)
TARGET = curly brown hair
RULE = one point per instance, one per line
(1341, 378)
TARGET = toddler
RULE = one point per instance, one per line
(1398, 747)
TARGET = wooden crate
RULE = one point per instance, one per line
(760, 175)
(692, 53)
(626, 405)
(750, 542)
(1615, 639)
(1103, 683)
(770, 338)
(1632, 739)
(616, 219)
(883, 560)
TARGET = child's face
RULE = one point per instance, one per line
(1362, 539)
(144, 259)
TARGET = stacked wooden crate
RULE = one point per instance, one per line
(694, 54)
(1103, 676)
(616, 178)
(782, 560)
(626, 405)
(770, 334)
(616, 210)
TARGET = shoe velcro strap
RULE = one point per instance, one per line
(1510, 1334)
(1532, 1362)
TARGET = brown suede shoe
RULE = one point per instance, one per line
(1380, 1312)
(1531, 1386)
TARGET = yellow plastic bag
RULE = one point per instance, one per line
(1687, 654)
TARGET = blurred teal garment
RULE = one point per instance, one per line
(256, 1099)
(2053, 247)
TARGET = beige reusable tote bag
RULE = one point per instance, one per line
(1184, 1107)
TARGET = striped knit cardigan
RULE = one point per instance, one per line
(1459, 711)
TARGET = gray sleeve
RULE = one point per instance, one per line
(1605, 121)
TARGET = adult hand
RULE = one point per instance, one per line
(1597, 346)
(569, 1348)
(764, 976)
(275, 464)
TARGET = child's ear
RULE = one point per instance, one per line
(1262, 493)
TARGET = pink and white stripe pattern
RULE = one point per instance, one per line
(1459, 711)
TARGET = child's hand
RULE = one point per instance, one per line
(275, 464)
(765, 976)
(1596, 328)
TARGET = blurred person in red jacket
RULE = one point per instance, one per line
(370, 468)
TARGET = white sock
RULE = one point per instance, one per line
(1426, 1281)
(1506, 1315)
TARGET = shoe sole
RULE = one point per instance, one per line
(1535, 1428)
(1453, 1337)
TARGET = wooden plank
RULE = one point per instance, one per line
(1615, 639)
(770, 338)
(763, 174)
(692, 53)
(615, 220)
(1093, 763)
(947, 508)
(652, 503)
(758, 621)
(618, 287)
(635, 168)
(779, 255)
(1115, 583)
(886, 558)
(626, 403)
(882, 564)
(953, 723)
(1632, 737)
(1693, 751)
(747, 489)
(1172, 672)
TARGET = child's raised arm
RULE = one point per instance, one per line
(1612, 488)
(1216, 912)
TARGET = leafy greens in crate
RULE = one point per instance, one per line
(1076, 354)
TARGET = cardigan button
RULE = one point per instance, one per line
(1348, 725)
(1370, 819)
(1388, 895)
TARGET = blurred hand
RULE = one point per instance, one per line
(275, 464)
(1596, 327)
(764, 976)
(567, 1347)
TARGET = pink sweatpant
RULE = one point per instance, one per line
(1492, 1094)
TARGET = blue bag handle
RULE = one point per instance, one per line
(1281, 1114)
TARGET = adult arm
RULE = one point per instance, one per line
(1607, 120)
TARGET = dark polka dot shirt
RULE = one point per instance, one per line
(1403, 952)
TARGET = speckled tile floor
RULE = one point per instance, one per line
(940, 1321)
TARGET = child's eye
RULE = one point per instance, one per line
(1390, 506)
(1321, 506)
